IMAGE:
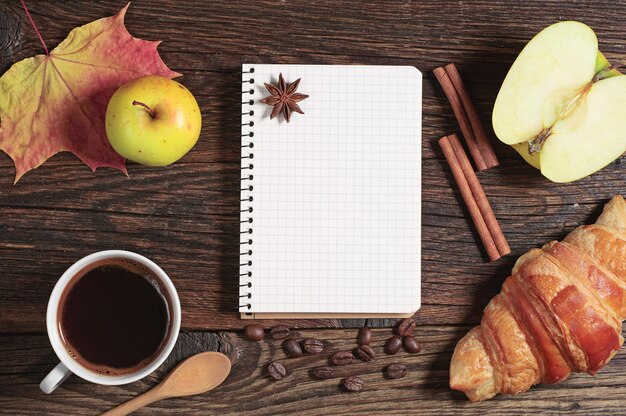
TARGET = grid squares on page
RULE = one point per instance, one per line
(337, 192)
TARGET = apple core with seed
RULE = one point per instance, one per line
(562, 106)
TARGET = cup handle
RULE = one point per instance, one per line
(54, 378)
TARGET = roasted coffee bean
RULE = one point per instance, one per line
(354, 383)
(411, 344)
(342, 358)
(292, 348)
(393, 344)
(254, 332)
(365, 353)
(279, 332)
(364, 336)
(324, 372)
(312, 346)
(406, 327)
(276, 370)
(396, 371)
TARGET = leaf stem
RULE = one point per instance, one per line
(145, 106)
(32, 22)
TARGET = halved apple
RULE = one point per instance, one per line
(602, 66)
(562, 106)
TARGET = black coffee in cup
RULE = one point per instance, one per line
(114, 317)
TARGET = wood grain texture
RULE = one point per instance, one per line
(11, 37)
(250, 391)
(185, 216)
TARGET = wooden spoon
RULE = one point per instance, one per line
(197, 374)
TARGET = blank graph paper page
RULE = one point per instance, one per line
(331, 204)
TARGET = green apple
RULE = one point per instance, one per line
(153, 120)
(602, 66)
(562, 106)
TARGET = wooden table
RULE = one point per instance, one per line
(185, 216)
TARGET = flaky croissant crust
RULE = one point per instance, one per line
(560, 312)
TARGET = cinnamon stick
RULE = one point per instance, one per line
(479, 196)
(486, 149)
(470, 202)
(461, 117)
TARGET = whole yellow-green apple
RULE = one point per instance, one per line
(153, 120)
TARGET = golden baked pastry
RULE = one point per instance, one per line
(560, 312)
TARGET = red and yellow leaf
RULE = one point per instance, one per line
(57, 102)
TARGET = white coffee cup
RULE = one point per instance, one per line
(69, 365)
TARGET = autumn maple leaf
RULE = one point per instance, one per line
(57, 102)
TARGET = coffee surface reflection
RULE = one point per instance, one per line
(114, 317)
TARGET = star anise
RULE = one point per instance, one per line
(284, 98)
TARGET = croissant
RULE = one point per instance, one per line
(559, 312)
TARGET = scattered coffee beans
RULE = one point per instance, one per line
(411, 344)
(364, 336)
(365, 353)
(342, 358)
(396, 371)
(292, 348)
(254, 332)
(312, 346)
(277, 371)
(393, 344)
(279, 332)
(354, 383)
(406, 327)
(324, 372)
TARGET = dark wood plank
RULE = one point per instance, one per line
(200, 251)
(25, 359)
(185, 216)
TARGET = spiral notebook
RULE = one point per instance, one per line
(331, 201)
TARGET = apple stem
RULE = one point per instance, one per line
(145, 107)
(602, 73)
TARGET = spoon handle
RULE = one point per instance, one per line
(136, 403)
